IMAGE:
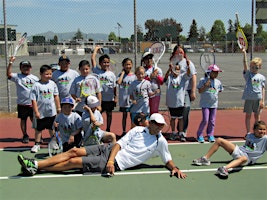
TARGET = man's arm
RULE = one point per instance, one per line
(110, 164)
(175, 171)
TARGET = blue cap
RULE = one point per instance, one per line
(67, 100)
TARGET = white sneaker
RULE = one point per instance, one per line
(182, 136)
(53, 144)
(35, 148)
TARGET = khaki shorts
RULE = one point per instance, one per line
(237, 153)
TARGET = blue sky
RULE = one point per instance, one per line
(102, 16)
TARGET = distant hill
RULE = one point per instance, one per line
(69, 35)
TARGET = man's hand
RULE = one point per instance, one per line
(110, 167)
(178, 173)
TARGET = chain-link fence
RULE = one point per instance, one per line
(96, 20)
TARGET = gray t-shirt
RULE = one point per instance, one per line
(43, 94)
(87, 125)
(108, 83)
(124, 97)
(24, 85)
(64, 81)
(254, 147)
(253, 87)
(175, 93)
(68, 124)
(184, 68)
(83, 87)
(209, 98)
(140, 90)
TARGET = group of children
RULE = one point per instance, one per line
(55, 96)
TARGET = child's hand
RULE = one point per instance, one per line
(56, 124)
(134, 101)
(12, 59)
(37, 115)
(207, 84)
(154, 74)
(71, 139)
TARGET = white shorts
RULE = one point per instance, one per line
(237, 153)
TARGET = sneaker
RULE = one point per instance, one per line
(211, 139)
(173, 136)
(222, 171)
(201, 161)
(182, 136)
(35, 148)
(25, 139)
(200, 139)
(53, 144)
(29, 165)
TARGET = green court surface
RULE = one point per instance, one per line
(151, 181)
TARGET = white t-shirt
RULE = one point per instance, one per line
(138, 145)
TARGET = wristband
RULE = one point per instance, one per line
(10, 62)
(110, 161)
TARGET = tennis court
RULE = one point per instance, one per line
(150, 181)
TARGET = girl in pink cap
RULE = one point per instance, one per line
(209, 88)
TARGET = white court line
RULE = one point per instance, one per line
(123, 173)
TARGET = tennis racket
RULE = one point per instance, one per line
(92, 139)
(206, 59)
(55, 144)
(241, 38)
(21, 42)
(157, 49)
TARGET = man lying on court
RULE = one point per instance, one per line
(249, 153)
(137, 146)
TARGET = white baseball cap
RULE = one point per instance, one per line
(157, 118)
(92, 101)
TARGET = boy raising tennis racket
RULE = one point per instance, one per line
(24, 82)
(254, 90)
(249, 153)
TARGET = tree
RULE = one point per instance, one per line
(217, 32)
(152, 26)
(231, 27)
(54, 41)
(78, 35)
(112, 37)
(193, 33)
(202, 34)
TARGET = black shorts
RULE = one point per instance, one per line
(107, 106)
(45, 123)
(176, 112)
(124, 109)
(24, 111)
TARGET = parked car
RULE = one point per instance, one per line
(189, 50)
(201, 50)
(218, 50)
